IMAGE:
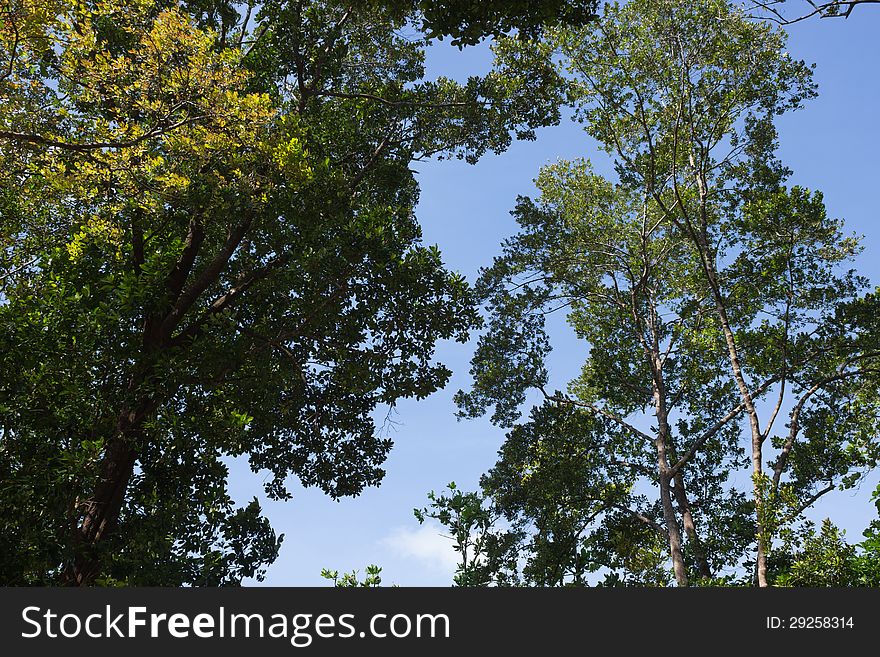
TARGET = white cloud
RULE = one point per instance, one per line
(427, 544)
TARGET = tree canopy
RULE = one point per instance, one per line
(714, 299)
(209, 251)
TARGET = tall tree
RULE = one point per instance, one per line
(209, 250)
(709, 293)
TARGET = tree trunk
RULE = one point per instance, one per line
(662, 443)
(678, 565)
(103, 507)
(690, 527)
(760, 538)
(754, 425)
(757, 443)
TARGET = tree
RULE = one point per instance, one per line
(554, 511)
(824, 558)
(483, 552)
(708, 292)
(209, 250)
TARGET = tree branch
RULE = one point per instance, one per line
(52, 142)
(608, 414)
(794, 422)
(810, 502)
(712, 431)
(205, 278)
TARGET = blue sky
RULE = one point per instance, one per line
(833, 145)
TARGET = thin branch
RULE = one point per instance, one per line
(195, 235)
(606, 413)
(646, 471)
(810, 502)
(374, 157)
(244, 24)
(261, 31)
(12, 272)
(833, 9)
(718, 426)
(51, 142)
(642, 518)
(794, 422)
(13, 51)
(785, 340)
(389, 103)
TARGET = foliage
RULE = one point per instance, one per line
(527, 526)
(468, 22)
(371, 578)
(484, 552)
(708, 292)
(209, 252)
(824, 558)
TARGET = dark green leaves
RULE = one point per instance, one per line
(209, 251)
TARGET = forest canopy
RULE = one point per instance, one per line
(209, 251)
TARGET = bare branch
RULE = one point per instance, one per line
(641, 517)
(389, 103)
(832, 9)
(810, 502)
(13, 272)
(13, 51)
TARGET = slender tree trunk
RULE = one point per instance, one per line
(701, 240)
(761, 538)
(665, 479)
(678, 566)
(690, 527)
(662, 443)
(757, 443)
(736, 368)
